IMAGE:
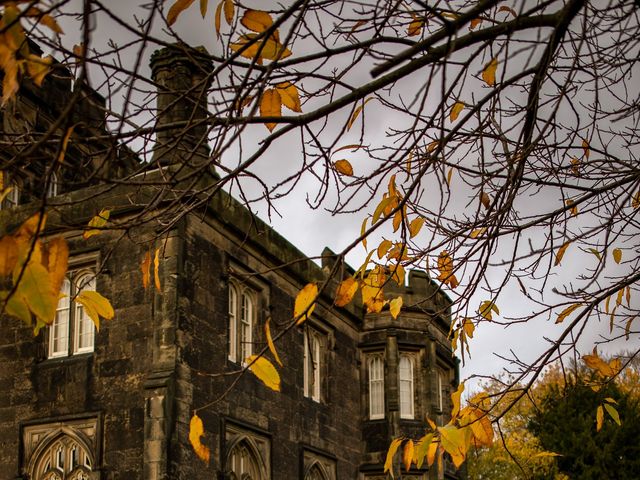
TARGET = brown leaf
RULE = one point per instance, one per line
(415, 27)
(510, 10)
(204, 5)
(270, 106)
(485, 200)
(8, 255)
(218, 18)
(585, 147)
(489, 72)
(45, 19)
(617, 255)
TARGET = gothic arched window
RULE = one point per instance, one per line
(243, 462)
(316, 473)
(62, 458)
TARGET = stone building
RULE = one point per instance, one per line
(76, 403)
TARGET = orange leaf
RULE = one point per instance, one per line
(415, 226)
(510, 10)
(204, 5)
(346, 290)
(489, 72)
(567, 311)
(145, 267)
(356, 112)
(8, 255)
(407, 454)
(343, 167)
(455, 111)
(474, 23)
(256, 20)
(229, 10)
(156, 265)
(196, 430)
(176, 9)
(290, 96)
(599, 418)
(270, 106)
(560, 253)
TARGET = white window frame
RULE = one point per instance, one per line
(375, 368)
(406, 386)
(242, 320)
(71, 322)
(440, 390)
(312, 364)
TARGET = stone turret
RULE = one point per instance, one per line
(181, 74)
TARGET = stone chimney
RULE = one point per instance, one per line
(181, 75)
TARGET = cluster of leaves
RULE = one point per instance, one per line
(34, 271)
(469, 427)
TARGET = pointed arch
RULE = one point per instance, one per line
(64, 454)
(316, 472)
(244, 461)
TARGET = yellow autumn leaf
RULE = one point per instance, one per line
(594, 362)
(478, 232)
(407, 454)
(272, 347)
(486, 309)
(398, 274)
(613, 413)
(8, 255)
(432, 450)
(567, 311)
(343, 167)
(455, 442)
(363, 229)
(36, 291)
(455, 400)
(97, 223)
(397, 220)
(395, 306)
(617, 255)
(256, 20)
(95, 306)
(421, 448)
(383, 248)
(393, 448)
(468, 327)
(635, 200)
(229, 11)
(156, 268)
(346, 290)
(145, 268)
(270, 106)
(449, 176)
(269, 48)
(415, 226)
(455, 111)
(560, 253)
(16, 307)
(176, 9)
(599, 418)
(196, 430)
(489, 72)
(371, 290)
(265, 371)
(290, 96)
(305, 302)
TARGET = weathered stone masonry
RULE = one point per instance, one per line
(122, 411)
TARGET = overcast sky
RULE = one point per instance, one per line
(312, 229)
